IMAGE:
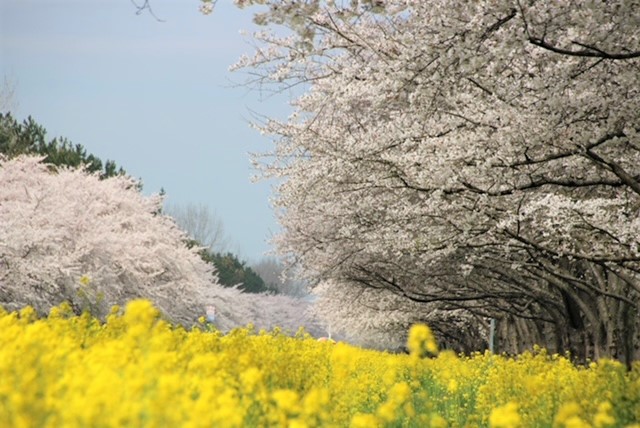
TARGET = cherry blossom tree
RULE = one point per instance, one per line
(235, 308)
(378, 318)
(479, 157)
(68, 235)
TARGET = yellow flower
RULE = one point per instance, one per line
(28, 314)
(604, 418)
(565, 413)
(438, 421)
(505, 416)
(140, 313)
(576, 422)
(362, 420)
(400, 392)
(421, 340)
(85, 280)
(387, 411)
(398, 395)
(297, 423)
(287, 400)
(315, 400)
(250, 378)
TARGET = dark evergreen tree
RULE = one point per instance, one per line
(29, 137)
(232, 271)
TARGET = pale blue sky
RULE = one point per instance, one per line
(156, 97)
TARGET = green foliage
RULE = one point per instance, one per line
(29, 137)
(232, 271)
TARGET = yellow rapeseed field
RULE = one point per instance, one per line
(135, 370)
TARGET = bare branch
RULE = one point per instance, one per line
(614, 167)
(146, 6)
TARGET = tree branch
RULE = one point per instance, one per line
(589, 51)
(499, 23)
(616, 169)
(534, 184)
(555, 156)
(146, 5)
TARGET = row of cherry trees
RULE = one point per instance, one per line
(67, 234)
(452, 161)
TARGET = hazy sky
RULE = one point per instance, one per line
(156, 97)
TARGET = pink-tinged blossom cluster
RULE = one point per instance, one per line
(66, 234)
